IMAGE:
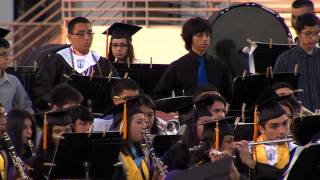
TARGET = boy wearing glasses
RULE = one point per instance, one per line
(12, 93)
(305, 57)
(77, 59)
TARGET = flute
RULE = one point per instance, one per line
(251, 143)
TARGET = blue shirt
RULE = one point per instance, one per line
(13, 95)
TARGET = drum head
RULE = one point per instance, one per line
(232, 26)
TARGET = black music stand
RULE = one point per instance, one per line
(218, 170)
(96, 91)
(146, 75)
(307, 165)
(266, 55)
(247, 89)
(162, 143)
(79, 156)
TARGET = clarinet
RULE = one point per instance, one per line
(17, 162)
(156, 161)
(31, 146)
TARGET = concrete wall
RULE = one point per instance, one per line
(6, 11)
(163, 43)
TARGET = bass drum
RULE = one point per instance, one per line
(233, 25)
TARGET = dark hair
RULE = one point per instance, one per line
(147, 101)
(75, 21)
(81, 113)
(63, 94)
(4, 43)
(308, 19)
(192, 27)
(125, 146)
(15, 127)
(123, 84)
(130, 53)
(204, 88)
(279, 85)
(303, 3)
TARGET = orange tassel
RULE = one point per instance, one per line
(45, 132)
(124, 127)
(217, 143)
(107, 45)
(255, 125)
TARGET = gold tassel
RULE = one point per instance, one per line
(45, 132)
(217, 143)
(255, 124)
(107, 45)
(124, 127)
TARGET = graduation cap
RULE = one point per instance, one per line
(267, 107)
(172, 104)
(123, 111)
(120, 30)
(204, 101)
(248, 88)
(61, 117)
(4, 32)
(305, 128)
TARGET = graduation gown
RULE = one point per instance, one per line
(51, 73)
(181, 76)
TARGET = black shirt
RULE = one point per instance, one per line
(181, 76)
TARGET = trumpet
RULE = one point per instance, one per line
(251, 143)
(170, 127)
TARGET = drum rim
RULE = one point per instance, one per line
(269, 10)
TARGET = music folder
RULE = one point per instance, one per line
(266, 54)
(83, 155)
(95, 90)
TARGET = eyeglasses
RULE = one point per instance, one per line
(6, 53)
(83, 34)
(119, 45)
(311, 34)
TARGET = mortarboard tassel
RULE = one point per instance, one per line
(45, 132)
(255, 124)
(107, 45)
(216, 142)
(124, 120)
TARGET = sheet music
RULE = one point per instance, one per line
(100, 125)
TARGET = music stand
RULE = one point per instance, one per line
(146, 75)
(247, 89)
(163, 143)
(79, 155)
(266, 55)
(307, 165)
(96, 91)
(217, 170)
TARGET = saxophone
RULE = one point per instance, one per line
(156, 161)
(31, 146)
(17, 162)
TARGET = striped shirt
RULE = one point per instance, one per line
(309, 69)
